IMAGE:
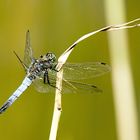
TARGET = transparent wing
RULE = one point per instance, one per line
(41, 87)
(76, 87)
(28, 53)
(77, 71)
(67, 86)
(45, 88)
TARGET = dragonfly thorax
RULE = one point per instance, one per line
(42, 65)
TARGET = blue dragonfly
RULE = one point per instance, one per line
(42, 73)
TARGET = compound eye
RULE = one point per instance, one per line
(41, 56)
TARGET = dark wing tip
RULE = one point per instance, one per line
(103, 63)
(97, 89)
(27, 33)
(106, 66)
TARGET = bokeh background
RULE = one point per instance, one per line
(54, 26)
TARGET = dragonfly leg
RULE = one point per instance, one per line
(54, 68)
(46, 78)
(47, 81)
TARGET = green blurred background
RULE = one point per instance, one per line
(54, 26)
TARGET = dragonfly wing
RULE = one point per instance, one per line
(76, 87)
(78, 71)
(28, 53)
(45, 87)
(67, 86)
(41, 87)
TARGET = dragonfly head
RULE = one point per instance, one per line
(49, 57)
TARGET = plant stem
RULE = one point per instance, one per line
(57, 106)
(122, 81)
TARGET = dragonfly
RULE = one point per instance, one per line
(42, 73)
